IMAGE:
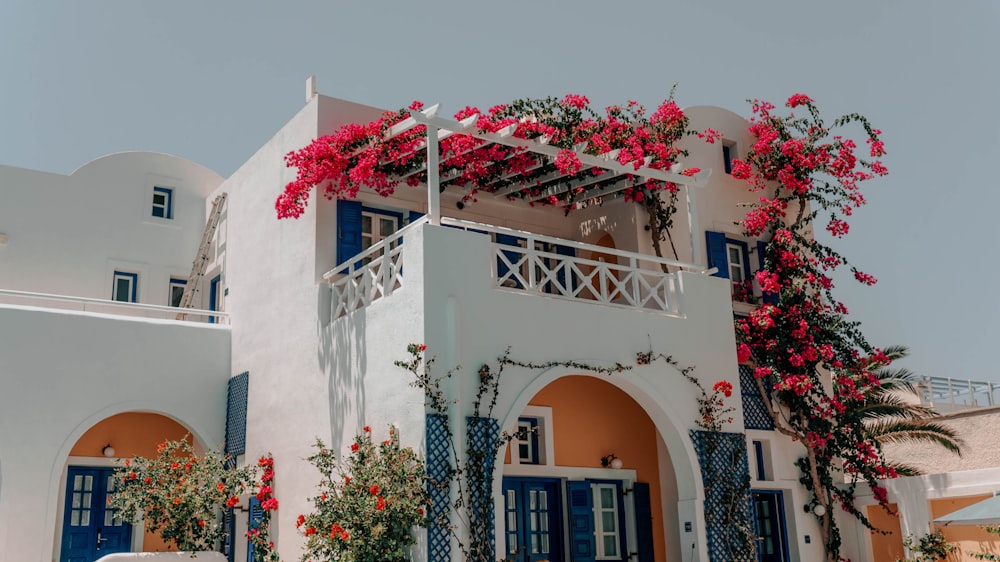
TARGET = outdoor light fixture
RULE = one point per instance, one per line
(819, 511)
(108, 450)
(611, 461)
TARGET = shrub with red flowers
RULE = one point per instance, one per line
(181, 495)
(368, 504)
(812, 366)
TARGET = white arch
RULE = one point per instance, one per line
(55, 491)
(671, 427)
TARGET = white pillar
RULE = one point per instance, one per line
(697, 255)
(433, 182)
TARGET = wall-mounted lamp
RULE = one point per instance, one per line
(108, 450)
(611, 461)
(817, 509)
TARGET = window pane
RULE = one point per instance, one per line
(122, 291)
(608, 521)
(176, 293)
(607, 497)
(386, 226)
(366, 224)
(610, 546)
(74, 518)
(533, 500)
(543, 502)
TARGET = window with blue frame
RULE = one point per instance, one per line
(360, 227)
(526, 441)
(731, 257)
(125, 286)
(177, 286)
(163, 202)
(728, 154)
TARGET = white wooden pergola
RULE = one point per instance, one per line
(609, 185)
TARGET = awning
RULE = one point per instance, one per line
(986, 512)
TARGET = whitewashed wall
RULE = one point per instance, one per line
(67, 234)
(65, 371)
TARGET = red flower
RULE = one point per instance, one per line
(380, 504)
(220, 486)
(148, 480)
(355, 447)
(368, 429)
(797, 100)
(373, 490)
(232, 502)
(270, 504)
(743, 353)
(724, 387)
(310, 531)
(300, 521)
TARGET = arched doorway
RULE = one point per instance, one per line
(85, 528)
(587, 478)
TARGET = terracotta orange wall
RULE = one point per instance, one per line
(592, 418)
(886, 548)
(967, 538)
(132, 435)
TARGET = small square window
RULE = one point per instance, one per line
(163, 202)
(125, 286)
(728, 154)
(526, 441)
(177, 286)
(737, 261)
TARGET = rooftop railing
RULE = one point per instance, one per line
(946, 394)
(84, 304)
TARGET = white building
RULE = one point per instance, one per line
(317, 352)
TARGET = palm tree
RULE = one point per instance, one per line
(891, 413)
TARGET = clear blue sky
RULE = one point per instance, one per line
(212, 80)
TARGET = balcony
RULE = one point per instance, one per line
(526, 263)
(110, 307)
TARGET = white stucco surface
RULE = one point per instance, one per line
(65, 371)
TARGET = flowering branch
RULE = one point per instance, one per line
(805, 167)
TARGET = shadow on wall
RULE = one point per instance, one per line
(343, 357)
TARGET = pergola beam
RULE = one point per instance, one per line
(551, 151)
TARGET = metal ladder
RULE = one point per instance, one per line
(192, 288)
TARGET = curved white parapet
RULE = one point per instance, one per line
(163, 557)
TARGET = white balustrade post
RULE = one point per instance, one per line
(433, 180)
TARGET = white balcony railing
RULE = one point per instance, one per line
(524, 262)
(565, 269)
(84, 304)
(371, 275)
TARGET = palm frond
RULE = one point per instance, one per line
(903, 431)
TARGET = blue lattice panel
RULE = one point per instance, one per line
(755, 414)
(438, 471)
(724, 473)
(236, 415)
(482, 437)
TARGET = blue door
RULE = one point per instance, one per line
(90, 528)
(533, 519)
(769, 517)
(214, 296)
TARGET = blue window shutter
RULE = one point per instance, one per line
(768, 298)
(236, 416)
(414, 216)
(643, 521)
(256, 517)
(715, 243)
(581, 522)
(348, 230)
